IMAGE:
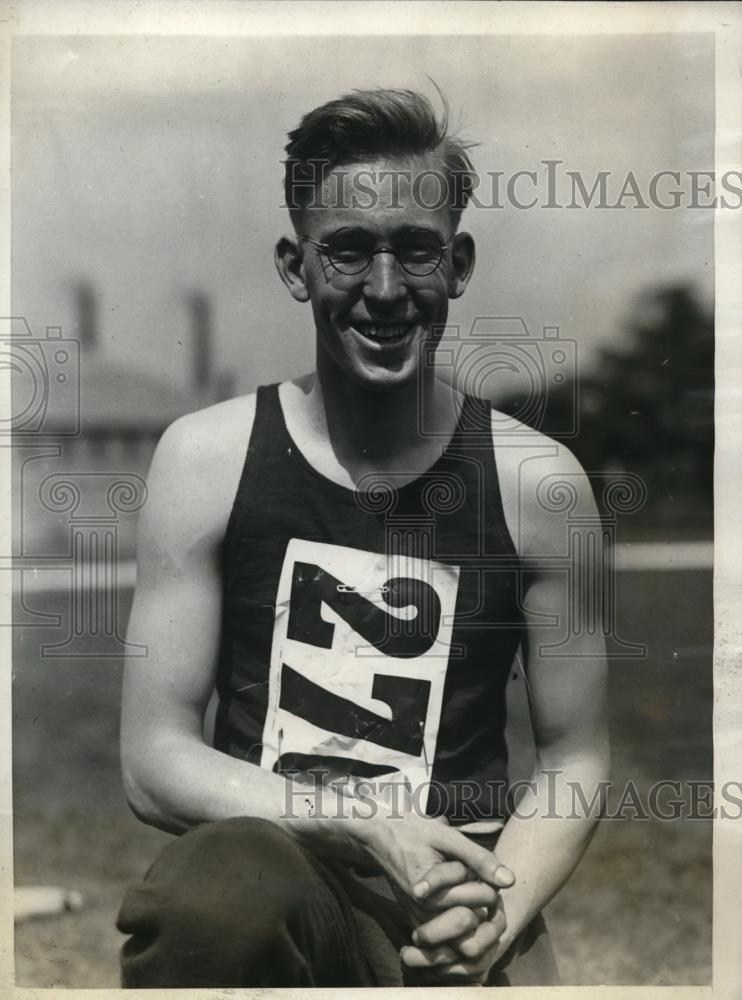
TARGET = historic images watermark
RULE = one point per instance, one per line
(549, 184)
(320, 793)
(68, 516)
(536, 365)
(45, 381)
(87, 507)
(414, 600)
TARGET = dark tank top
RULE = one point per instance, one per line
(369, 633)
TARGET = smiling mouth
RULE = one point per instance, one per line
(384, 333)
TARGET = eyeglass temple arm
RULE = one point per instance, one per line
(308, 239)
(326, 246)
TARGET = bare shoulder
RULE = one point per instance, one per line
(541, 481)
(210, 436)
(196, 469)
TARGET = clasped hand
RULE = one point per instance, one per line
(462, 922)
(452, 887)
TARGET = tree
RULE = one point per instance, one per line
(647, 406)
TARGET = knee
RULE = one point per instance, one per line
(241, 852)
(230, 838)
(217, 897)
(219, 875)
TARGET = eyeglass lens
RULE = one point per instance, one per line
(419, 251)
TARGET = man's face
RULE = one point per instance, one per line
(372, 323)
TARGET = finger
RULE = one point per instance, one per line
(428, 958)
(447, 926)
(441, 876)
(479, 942)
(471, 894)
(499, 921)
(464, 971)
(485, 864)
(460, 970)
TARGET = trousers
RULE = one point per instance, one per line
(241, 902)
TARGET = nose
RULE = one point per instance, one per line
(384, 282)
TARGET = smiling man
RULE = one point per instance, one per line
(352, 561)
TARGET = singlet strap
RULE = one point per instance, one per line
(268, 432)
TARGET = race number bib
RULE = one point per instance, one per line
(361, 643)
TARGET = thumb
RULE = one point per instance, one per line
(486, 865)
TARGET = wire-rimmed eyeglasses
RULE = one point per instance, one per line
(350, 251)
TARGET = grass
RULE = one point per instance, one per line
(637, 910)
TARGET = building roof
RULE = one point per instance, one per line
(113, 395)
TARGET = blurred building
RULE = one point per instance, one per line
(123, 411)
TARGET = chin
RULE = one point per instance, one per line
(383, 374)
(380, 378)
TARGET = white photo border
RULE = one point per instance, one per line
(256, 17)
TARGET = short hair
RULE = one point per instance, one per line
(369, 125)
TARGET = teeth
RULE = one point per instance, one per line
(386, 332)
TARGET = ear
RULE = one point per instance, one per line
(463, 255)
(289, 262)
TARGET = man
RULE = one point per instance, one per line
(352, 560)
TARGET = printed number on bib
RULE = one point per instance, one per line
(358, 663)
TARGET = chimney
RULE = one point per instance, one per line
(200, 310)
(226, 386)
(86, 306)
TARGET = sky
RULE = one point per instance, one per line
(151, 168)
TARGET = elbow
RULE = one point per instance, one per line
(148, 781)
(587, 765)
(137, 798)
(141, 798)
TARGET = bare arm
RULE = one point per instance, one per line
(546, 837)
(172, 778)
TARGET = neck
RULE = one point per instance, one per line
(370, 426)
